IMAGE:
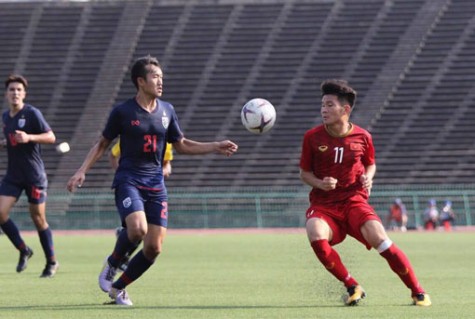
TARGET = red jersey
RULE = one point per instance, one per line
(343, 158)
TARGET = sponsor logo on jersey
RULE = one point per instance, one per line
(135, 123)
(127, 202)
(21, 123)
(322, 148)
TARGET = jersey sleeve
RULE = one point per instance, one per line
(174, 132)
(41, 125)
(115, 150)
(369, 157)
(307, 154)
(112, 128)
(168, 153)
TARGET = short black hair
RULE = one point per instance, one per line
(139, 69)
(16, 78)
(341, 89)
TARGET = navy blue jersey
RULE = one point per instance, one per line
(143, 138)
(24, 159)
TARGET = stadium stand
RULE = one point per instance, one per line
(412, 62)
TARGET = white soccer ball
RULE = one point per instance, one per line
(258, 116)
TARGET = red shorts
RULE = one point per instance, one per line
(345, 218)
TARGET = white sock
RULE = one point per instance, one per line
(384, 245)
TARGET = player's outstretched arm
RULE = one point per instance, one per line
(186, 146)
(94, 154)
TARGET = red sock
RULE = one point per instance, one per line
(332, 262)
(400, 264)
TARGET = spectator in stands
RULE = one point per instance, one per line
(447, 216)
(114, 156)
(145, 124)
(25, 129)
(338, 162)
(431, 215)
(397, 217)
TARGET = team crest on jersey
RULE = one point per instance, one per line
(127, 202)
(21, 123)
(322, 148)
(165, 120)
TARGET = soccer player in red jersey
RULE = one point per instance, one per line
(338, 162)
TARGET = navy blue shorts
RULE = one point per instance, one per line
(130, 199)
(35, 194)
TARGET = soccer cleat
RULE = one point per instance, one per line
(422, 300)
(106, 277)
(355, 294)
(120, 296)
(23, 261)
(50, 270)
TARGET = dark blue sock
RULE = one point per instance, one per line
(122, 246)
(12, 232)
(137, 266)
(132, 248)
(46, 239)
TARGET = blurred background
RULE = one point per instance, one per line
(411, 61)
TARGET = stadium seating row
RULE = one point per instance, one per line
(411, 61)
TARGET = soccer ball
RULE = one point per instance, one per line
(258, 116)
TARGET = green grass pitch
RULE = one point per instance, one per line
(242, 276)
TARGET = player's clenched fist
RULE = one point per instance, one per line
(328, 183)
(21, 137)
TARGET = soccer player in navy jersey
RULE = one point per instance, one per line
(114, 157)
(145, 124)
(338, 162)
(25, 129)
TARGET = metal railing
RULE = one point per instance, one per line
(244, 207)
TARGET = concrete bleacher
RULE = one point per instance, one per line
(55, 29)
(13, 27)
(420, 127)
(410, 60)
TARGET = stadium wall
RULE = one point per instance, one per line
(243, 208)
